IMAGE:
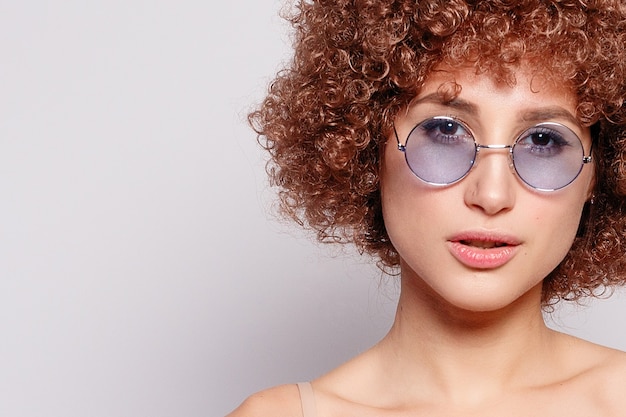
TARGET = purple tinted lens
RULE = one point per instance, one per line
(440, 151)
(548, 156)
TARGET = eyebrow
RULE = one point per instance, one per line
(549, 112)
(537, 115)
(455, 103)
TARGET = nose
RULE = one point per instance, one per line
(491, 185)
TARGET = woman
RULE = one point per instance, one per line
(478, 148)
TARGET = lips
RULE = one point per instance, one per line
(483, 250)
(485, 244)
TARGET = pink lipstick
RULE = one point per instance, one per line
(480, 250)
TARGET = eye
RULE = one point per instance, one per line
(449, 127)
(541, 139)
(445, 131)
(544, 142)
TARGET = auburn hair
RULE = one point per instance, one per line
(357, 63)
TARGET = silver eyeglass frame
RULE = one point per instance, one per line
(586, 159)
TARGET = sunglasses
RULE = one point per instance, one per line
(442, 150)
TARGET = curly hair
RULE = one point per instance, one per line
(357, 63)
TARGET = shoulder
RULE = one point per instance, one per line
(613, 374)
(280, 401)
(592, 377)
(607, 383)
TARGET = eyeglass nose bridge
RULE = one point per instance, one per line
(494, 147)
(479, 147)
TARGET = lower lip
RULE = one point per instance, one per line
(482, 258)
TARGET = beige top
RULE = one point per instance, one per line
(307, 399)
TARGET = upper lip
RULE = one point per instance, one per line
(485, 238)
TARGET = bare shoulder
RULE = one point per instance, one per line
(607, 380)
(613, 373)
(280, 401)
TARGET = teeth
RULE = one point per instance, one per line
(483, 244)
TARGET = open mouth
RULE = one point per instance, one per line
(482, 244)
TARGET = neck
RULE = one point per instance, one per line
(465, 356)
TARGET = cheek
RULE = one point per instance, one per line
(402, 194)
(555, 225)
(400, 200)
(560, 212)
(412, 211)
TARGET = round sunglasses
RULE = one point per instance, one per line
(442, 150)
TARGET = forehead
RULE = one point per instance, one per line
(525, 86)
(488, 105)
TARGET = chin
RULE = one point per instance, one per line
(492, 300)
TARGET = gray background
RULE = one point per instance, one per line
(142, 272)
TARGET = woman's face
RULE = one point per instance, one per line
(487, 240)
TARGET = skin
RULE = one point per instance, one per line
(472, 341)
(490, 200)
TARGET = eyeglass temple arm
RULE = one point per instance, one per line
(401, 147)
(588, 158)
